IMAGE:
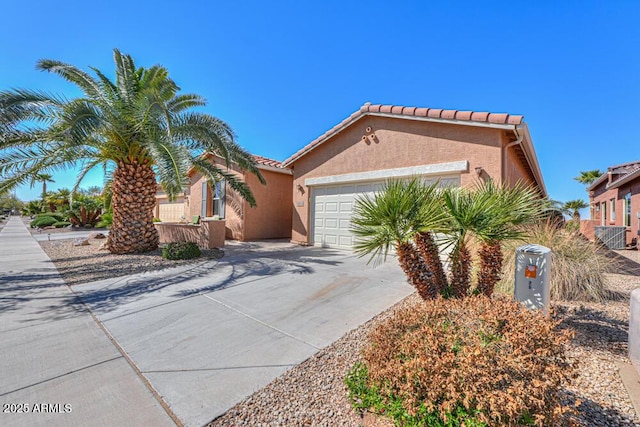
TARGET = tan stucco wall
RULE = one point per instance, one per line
(270, 219)
(399, 143)
(515, 170)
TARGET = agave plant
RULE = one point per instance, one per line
(138, 128)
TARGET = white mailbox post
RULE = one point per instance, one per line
(533, 271)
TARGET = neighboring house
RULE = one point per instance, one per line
(379, 142)
(270, 219)
(614, 198)
(310, 196)
(167, 210)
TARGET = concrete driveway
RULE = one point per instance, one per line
(207, 336)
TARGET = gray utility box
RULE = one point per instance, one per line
(533, 274)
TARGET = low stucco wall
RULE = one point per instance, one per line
(634, 330)
(588, 228)
(208, 234)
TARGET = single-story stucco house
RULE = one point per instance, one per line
(614, 200)
(376, 143)
(270, 219)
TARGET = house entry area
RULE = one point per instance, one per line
(332, 207)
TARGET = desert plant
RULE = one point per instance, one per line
(390, 219)
(56, 215)
(572, 207)
(181, 250)
(43, 221)
(508, 208)
(578, 267)
(85, 211)
(475, 361)
(588, 177)
(61, 224)
(138, 128)
(105, 220)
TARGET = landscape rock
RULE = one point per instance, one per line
(96, 235)
(81, 242)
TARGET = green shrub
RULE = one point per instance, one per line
(43, 221)
(156, 219)
(61, 224)
(578, 267)
(181, 250)
(473, 362)
(106, 219)
(58, 216)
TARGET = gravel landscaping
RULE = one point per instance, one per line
(85, 264)
(313, 393)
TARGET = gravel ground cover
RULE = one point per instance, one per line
(313, 393)
(85, 264)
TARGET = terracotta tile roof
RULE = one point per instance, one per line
(617, 175)
(402, 111)
(267, 162)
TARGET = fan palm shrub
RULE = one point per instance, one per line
(390, 219)
(508, 209)
(138, 128)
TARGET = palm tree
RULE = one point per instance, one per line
(572, 207)
(465, 212)
(389, 220)
(588, 177)
(44, 178)
(58, 199)
(138, 128)
(509, 209)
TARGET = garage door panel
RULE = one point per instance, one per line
(346, 207)
(331, 223)
(331, 207)
(170, 211)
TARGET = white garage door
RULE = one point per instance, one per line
(332, 207)
(171, 211)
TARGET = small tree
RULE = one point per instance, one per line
(572, 207)
(390, 219)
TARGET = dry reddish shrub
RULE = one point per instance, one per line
(491, 356)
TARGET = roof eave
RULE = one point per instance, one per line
(597, 182)
(629, 177)
(532, 158)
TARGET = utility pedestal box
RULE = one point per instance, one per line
(533, 274)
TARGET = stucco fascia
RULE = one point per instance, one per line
(424, 170)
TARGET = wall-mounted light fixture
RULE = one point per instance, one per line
(479, 170)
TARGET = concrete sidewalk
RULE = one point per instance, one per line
(58, 367)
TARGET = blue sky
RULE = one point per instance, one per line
(283, 72)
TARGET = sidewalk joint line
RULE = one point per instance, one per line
(261, 322)
(61, 375)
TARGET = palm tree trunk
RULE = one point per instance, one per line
(460, 271)
(490, 267)
(134, 197)
(416, 270)
(431, 255)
